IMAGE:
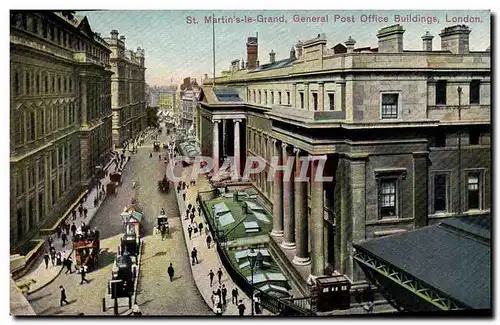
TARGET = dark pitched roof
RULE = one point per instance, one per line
(227, 95)
(453, 257)
(276, 65)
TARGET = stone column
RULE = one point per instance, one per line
(277, 194)
(358, 213)
(83, 96)
(340, 98)
(301, 221)
(420, 179)
(306, 95)
(237, 155)
(293, 94)
(215, 152)
(321, 96)
(317, 245)
(224, 138)
(288, 208)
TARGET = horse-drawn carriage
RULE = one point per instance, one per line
(162, 226)
(164, 185)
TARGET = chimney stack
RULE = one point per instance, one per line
(299, 50)
(122, 38)
(390, 39)
(114, 34)
(252, 52)
(427, 42)
(292, 53)
(455, 39)
(272, 57)
(349, 44)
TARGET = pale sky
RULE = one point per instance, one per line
(175, 49)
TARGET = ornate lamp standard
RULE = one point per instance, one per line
(254, 259)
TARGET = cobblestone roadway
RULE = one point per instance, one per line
(157, 295)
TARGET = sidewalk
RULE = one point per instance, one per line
(208, 258)
(44, 276)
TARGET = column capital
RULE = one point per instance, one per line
(297, 151)
(216, 121)
(294, 83)
(321, 83)
(284, 145)
(306, 83)
(237, 120)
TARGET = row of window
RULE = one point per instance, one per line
(28, 217)
(38, 82)
(474, 138)
(474, 92)
(58, 159)
(35, 124)
(54, 34)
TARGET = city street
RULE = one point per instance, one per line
(156, 294)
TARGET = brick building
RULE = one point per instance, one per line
(406, 136)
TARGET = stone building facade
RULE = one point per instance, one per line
(128, 89)
(405, 134)
(189, 92)
(60, 115)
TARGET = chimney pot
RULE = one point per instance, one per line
(114, 34)
(272, 56)
(427, 42)
(349, 44)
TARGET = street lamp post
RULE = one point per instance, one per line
(254, 259)
(459, 90)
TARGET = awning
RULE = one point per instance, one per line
(446, 266)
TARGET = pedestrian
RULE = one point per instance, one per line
(67, 228)
(184, 195)
(64, 238)
(224, 294)
(219, 275)
(234, 295)
(80, 210)
(69, 263)
(209, 240)
(73, 229)
(83, 271)
(85, 212)
(74, 214)
(170, 272)
(53, 255)
(49, 240)
(178, 188)
(63, 296)
(211, 275)
(190, 230)
(58, 231)
(194, 256)
(207, 230)
(95, 202)
(190, 206)
(193, 210)
(241, 308)
(58, 258)
(192, 217)
(199, 211)
(200, 227)
(159, 157)
(218, 293)
(256, 301)
(187, 214)
(218, 309)
(46, 259)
